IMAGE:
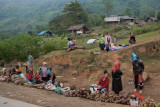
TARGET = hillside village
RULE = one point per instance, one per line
(77, 52)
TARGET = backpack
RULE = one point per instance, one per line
(136, 67)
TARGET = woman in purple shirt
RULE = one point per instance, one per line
(44, 71)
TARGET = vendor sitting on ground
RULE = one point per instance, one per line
(38, 78)
(71, 44)
(52, 78)
(103, 84)
(18, 70)
(132, 39)
(12, 70)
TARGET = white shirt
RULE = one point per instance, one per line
(106, 38)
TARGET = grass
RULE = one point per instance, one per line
(59, 52)
(140, 37)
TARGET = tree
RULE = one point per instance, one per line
(149, 12)
(127, 11)
(74, 14)
(108, 7)
(158, 15)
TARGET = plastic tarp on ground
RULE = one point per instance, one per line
(113, 48)
(90, 41)
(43, 32)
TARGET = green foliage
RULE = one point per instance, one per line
(108, 7)
(73, 14)
(145, 29)
(158, 15)
(19, 47)
(4, 36)
(23, 45)
(149, 12)
(118, 28)
(127, 12)
(95, 20)
(56, 44)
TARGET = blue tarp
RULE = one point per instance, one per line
(43, 32)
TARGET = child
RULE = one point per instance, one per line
(18, 70)
(115, 41)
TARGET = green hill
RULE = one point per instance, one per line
(17, 16)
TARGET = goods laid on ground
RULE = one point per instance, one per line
(110, 98)
(50, 87)
(148, 102)
(71, 91)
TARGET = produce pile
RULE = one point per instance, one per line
(111, 97)
(148, 102)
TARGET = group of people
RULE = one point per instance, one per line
(138, 68)
(105, 42)
(44, 75)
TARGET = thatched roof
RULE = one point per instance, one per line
(77, 27)
(151, 19)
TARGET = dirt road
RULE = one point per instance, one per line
(47, 98)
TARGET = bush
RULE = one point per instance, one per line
(117, 29)
(23, 45)
(55, 44)
(145, 29)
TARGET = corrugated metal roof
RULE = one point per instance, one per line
(112, 19)
(117, 18)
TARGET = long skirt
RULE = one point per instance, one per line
(116, 85)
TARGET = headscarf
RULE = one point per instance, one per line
(105, 72)
(44, 63)
(116, 66)
(134, 57)
(131, 35)
(30, 57)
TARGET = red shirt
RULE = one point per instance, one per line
(105, 83)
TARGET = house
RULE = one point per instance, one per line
(126, 19)
(151, 19)
(78, 29)
(115, 20)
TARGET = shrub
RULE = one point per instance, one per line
(119, 28)
(23, 45)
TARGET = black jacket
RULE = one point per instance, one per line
(138, 67)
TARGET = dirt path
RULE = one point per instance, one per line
(47, 98)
